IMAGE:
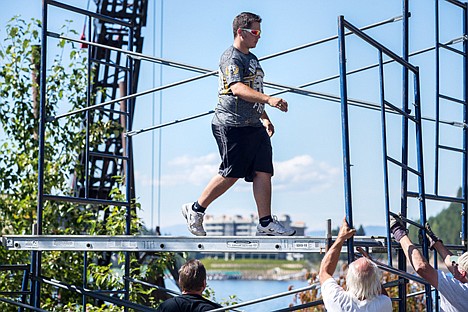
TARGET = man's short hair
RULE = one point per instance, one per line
(192, 276)
(363, 279)
(244, 20)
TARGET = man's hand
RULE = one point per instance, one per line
(432, 237)
(279, 103)
(398, 228)
(345, 231)
(270, 129)
(330, 260)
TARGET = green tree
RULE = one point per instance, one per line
(64, 140)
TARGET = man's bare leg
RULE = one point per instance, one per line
(215, 188)
(262, 193)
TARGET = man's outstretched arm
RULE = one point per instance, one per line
(417, 260)
(438, 245)
(330, 260)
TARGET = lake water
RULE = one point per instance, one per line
(249, 290)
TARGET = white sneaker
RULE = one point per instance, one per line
(275, 228)
(194, 220)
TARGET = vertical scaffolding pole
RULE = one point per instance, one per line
(464, 238)
(345, 133)
(404, 153)
(437, 98)
(36, 256)
(421, 185)
(385, 153)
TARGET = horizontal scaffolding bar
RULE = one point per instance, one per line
(14, 293)
(458, 3)
(93, 294)
(22, 305)
(234, 244)
(85, 201)
(439, 198)
(110, 64)
(321, 41)
(402, 165)
(446, 97)
(107, 155)
(454, 50)
(451, 148)
(400, 111)
(89, 13)
(14, 267)
(379, 46)
(118, 112)
(393, 270)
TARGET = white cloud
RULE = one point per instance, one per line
(298, 174)
(184, 170)
(303, 173)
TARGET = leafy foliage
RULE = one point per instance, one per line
(66, 84)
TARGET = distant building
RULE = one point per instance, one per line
(237, 225)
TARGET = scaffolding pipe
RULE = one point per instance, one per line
(345, 133)
(385, 158)
(404, 153)
(87, 292)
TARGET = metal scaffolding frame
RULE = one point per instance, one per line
(37, 243)
(407, 116)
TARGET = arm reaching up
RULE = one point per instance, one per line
(330, 260)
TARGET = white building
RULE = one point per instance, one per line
(237, 225)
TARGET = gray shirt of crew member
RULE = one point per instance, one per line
(235, 66)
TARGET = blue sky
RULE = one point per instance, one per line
(308, 183)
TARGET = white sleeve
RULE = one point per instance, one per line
(454, 291)
(334, 296)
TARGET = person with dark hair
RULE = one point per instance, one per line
(192, 282)
(364, 289)
(242, 130)
(453, 290)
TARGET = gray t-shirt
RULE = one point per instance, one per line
(235, 66)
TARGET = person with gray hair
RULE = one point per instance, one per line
(453, 290)
(364, 289)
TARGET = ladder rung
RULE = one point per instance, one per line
(108, 110)
(110, 64)
(401, 112)
(439, 197)
(450, 148)
(403, 166)
(452, 49)
(9, 293)
(14, 267)
(107, 155)
(446, 97)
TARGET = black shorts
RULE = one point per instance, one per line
(243, 151)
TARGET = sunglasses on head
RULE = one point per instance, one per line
(254, 32)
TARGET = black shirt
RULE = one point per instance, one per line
(187, 303)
